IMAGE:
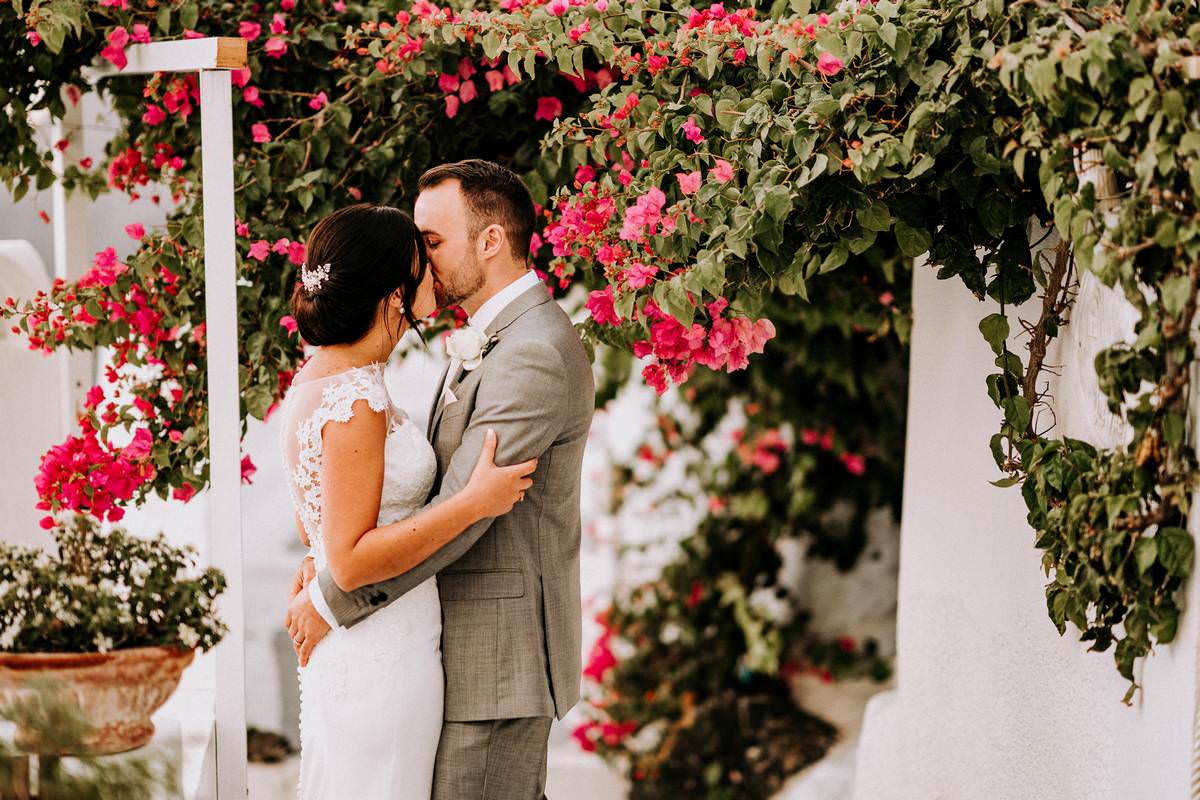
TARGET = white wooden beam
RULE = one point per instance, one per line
(181, 55)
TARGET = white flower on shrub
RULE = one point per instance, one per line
(647, 738)
(767, 603)
(188, 636)
(670, 633)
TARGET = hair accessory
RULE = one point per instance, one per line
(314, 278)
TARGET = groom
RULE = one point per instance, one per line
(510, 585)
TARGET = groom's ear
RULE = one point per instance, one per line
(494, 240)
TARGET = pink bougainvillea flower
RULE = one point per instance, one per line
(281, 246)
(692, 131)
(34, 39)
(822, 20)
(240, 77)
(580, 734)
(448, 82)
(855, 463)
(585, 174)
(184, 493)
(510, 77)
(118, 37)
(495, 79)
(639, 275)
(319, 102)
(644, 215)
(468, 91)
(452, 105)
(135, 230)
(722, 171)
(251, 95)
(259, 250)
(260, 132)
(279, 25)
(288, 323)
(275, 47)
(829, 64)
(296, 252)
(689, 182)
(140, 446)
(739, 56)
(248, 470)
(466, 68)
(154, 115)
(548, 108)
(600, 305)
(287, 5)
(249, 30)
(600, 5)
(558, 7)
(141, 34)
(175, 436)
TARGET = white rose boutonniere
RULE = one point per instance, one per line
(469, 346)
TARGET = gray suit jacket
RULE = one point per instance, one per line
(509, 585)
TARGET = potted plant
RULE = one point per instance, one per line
(113, 617)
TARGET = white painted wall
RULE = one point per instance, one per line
(28, 426)
(990, 701)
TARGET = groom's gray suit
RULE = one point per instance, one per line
(509, 585)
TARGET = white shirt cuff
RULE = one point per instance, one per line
(318, 601)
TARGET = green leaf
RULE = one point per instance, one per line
(1016, 412)
(778, 202)
(1175, 293)
(1145, 552)
(875, 217)
(1175, 550)
(188, 15)
(913, 241)
(994, 328)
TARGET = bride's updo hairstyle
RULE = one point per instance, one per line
(355, 259)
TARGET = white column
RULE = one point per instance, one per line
(70, 255)
(224, 422)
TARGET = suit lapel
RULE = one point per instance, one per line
(435, 408)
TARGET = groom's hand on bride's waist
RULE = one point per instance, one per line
(305, 626)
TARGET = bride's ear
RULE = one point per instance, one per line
(395, 301)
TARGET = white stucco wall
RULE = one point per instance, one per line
(990, 701)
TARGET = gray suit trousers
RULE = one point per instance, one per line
(503, 759)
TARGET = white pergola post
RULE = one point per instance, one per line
(213, 58)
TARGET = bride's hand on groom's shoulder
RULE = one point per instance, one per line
(494, 490)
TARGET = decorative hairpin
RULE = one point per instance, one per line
(314, 278)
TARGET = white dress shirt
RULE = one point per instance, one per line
(480, 320)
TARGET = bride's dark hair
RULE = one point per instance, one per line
(369, 251)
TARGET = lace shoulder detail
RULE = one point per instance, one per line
(338, 396)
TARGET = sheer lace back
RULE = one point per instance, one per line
(409, 465)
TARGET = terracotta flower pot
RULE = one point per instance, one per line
(116, 691)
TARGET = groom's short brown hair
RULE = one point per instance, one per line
(494, 194)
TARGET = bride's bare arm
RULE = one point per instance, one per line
(360, 553)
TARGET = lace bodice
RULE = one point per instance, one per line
(409, 461)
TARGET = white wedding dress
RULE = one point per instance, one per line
(371, 695)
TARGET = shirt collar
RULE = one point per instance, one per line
(500, 300)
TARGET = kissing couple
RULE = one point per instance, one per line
(437, 616)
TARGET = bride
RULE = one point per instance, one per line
(359, 472)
